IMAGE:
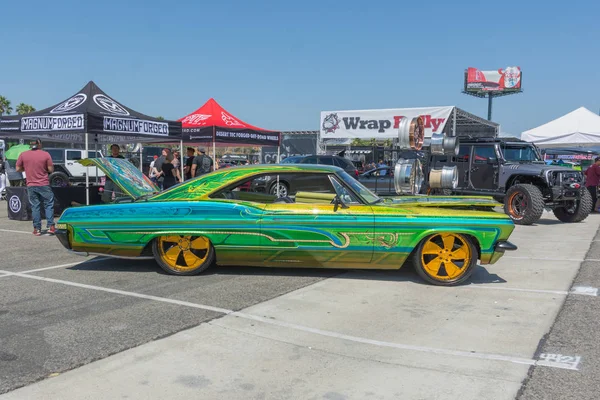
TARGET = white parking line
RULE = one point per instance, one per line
(12, 231)
(266, 320)
(56, 266)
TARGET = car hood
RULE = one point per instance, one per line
(125, 175)
(536, 168)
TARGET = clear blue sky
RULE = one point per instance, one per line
(277, 64)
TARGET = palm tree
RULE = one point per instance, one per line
(23, 108)
(5, 107)
(160, 117)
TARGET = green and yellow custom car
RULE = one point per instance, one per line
(325, 219)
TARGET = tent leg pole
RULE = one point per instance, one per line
(181, 159)
(215, 154)
(278, 160)
(87, 176)
(141, 159)
(95, 153)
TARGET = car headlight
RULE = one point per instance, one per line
(61, 226)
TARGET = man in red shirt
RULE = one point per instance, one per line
(37, 164)
(592, 180)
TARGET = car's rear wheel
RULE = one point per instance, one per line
(182, 254)
(445, 259)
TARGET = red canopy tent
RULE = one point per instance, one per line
(211, 123)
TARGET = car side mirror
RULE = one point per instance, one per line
(337, 203)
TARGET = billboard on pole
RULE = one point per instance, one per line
(506, 80)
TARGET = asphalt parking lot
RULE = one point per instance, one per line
(97, 328)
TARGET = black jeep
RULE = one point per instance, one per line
(514, 173)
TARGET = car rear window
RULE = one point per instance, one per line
(326, 160)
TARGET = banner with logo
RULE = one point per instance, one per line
(380, 124)
(18, 203)
(501, 80)
(92, 111)
(291, 145)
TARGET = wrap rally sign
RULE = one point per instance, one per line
(380, 124)
(52, 123)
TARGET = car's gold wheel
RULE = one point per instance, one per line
(183, 254)
(446, 258)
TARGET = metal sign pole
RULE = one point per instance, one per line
(490, 97)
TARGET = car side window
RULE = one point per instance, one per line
(285, 188)
(344, 194)
(310, 160)
(464, 153)
(482, 154)
(73, 155)
(58, 156)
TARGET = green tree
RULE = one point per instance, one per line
(160, 117)
(23, 108)
(5, 107)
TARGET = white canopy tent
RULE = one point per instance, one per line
(579, 128)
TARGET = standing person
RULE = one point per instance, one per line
(151, 173)
(171, 174)
(158, 167)
(189, 162)
(109, 185)
(176, 160)
(37, 164)
(592, 180)
(2, 178)
(203, 164)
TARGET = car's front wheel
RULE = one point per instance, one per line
(445, 259)
(575, 210)
(183, 254)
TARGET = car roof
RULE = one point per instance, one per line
(205, 185)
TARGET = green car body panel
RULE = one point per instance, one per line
(255, 232)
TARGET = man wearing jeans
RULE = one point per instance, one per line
(37, 164)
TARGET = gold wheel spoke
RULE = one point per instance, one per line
(190, 259)
(173, 253)
(431, 248)
(452, 269)
(199, 243)
(448, 241)
(434, 266)
(170, 239)
(459, 254)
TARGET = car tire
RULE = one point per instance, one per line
(183, 254)
(445, 259)
(524, 204)
(58, 179)
(578, 211)
(284, 189)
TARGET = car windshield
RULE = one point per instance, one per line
(366, 194)
(520, 153)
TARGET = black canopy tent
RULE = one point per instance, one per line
(90, 112)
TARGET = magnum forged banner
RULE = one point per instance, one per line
(53, 123)
(380, 124)
(135, 126)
